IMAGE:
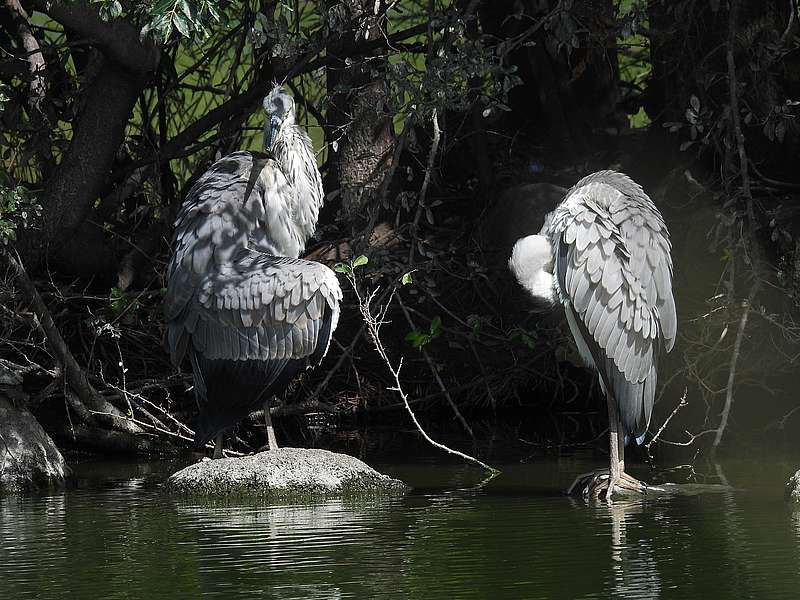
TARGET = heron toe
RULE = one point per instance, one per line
(599, 485)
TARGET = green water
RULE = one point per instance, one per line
(116, 536)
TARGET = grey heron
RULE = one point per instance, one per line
(249, 313)
(604, 255)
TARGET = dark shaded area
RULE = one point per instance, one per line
(446, 132)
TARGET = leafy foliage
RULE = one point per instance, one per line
(190, 18)
(17, 210)
(420, 339)
(350, 268)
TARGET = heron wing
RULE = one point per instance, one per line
(249, 329)
(240, 202)
(614, 276)
(262, 307)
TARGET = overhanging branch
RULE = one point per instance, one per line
(118, 39)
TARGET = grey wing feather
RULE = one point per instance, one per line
(613, 267)
(275, 330)
(233, 210)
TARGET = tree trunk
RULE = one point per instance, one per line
(359, 125)
(75, 184)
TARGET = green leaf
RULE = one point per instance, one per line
(406, 279)
(181, 24)
(342, 268)
(417, 339)
(189, 11)
(360, 261)
(436, 326)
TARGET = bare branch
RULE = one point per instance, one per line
(36, 65)
(436, 376)
(737, 348)
(373, 323)
(74, 375)
(423, 192)
(681, 403)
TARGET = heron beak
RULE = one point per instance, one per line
(271, 132)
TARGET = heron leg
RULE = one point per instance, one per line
(272, 443)
(218, 446)
(602, 484)
(616, 448)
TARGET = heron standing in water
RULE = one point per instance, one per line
(250, 314)
(604, 255)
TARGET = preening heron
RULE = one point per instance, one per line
(604, 255)
(250, 314)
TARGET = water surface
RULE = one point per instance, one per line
(117, 536)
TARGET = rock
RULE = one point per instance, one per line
(28, 457)
(792, 492)
(287, 473)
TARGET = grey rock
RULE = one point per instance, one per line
(792, 491)
(28, 457)
(286, 473)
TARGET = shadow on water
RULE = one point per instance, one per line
(117, 536)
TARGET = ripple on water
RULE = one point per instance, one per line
(127, 540)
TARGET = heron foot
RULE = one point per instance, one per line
(598, 485)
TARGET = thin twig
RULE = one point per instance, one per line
(435, 373)
(681, 403)
(374, 323)
(342, 357)
(737, 125)
(737, 347)
(423, 192)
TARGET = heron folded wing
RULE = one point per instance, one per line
(614, 274)
(295, 323)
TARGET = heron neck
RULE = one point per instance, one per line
(295, 154)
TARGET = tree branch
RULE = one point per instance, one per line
(737, 348)
(36, 65)
(88, 398)
(423, 192)
(247, 101)
(118, 39)
(374, 323)
(436, 376)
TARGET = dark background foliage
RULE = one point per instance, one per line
(424, 113)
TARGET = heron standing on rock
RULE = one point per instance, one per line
(250, 314)
(604, 255)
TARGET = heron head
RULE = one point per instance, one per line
(279, 106)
